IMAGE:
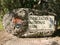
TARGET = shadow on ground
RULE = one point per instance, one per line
(56, 33)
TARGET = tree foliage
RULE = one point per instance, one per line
(51, 5)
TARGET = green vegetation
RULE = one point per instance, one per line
(1, 26)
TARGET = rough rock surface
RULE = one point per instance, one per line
(8, 39)
(23, 13)
(33, 41)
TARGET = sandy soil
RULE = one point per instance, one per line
(8, 39)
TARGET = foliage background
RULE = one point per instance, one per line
(9, 5)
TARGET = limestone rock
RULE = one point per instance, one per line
(23, 13)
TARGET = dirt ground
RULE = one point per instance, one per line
(8, 39)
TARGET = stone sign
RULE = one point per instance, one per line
(41, 22)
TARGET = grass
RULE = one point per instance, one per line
(1, 26)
